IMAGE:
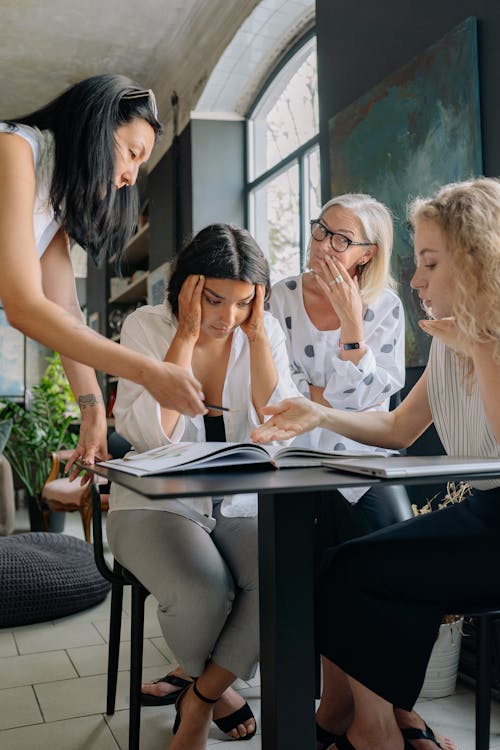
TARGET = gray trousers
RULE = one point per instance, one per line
(206, 584)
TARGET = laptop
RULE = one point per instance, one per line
(397, 467)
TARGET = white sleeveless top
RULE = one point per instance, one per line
(458, 411)
(42, 144)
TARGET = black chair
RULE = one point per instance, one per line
(120, 577)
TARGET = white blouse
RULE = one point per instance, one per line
(150, 330)
(457, 409)
(42, 144)
(314, 358)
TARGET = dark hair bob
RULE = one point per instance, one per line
(220, 251)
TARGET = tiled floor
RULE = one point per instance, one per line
(53, 686)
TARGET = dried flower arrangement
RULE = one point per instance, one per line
(455, 493)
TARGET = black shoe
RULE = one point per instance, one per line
(227, 723)
(165, 700)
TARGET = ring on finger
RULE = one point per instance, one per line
(337, 280)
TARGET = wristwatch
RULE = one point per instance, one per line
(352, 345)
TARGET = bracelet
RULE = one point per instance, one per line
(353, 345)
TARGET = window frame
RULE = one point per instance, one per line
(299, 155)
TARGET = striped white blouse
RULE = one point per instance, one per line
(458, 411)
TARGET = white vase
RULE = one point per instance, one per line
(441, 674)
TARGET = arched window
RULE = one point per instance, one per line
(283, 185)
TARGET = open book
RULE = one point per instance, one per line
(190, 456)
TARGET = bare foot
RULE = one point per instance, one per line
(196, 717)
(229, 702)
(411, 719)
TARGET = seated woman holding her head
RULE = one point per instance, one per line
(345, 333)
(198, 557)
(378, 578)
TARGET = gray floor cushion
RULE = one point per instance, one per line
(44, 576)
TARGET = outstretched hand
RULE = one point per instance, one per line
(445, 329)
(288, 419)
(254, 324)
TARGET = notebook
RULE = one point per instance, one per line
(396, 467)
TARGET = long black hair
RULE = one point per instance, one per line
(220, 251)
(83, 121)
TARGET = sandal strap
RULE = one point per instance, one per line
(412, 733)
(231, 721)
(173, 679)
(201, 696)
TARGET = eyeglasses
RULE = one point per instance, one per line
(338, 242)
(144, 94)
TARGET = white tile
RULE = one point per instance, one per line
(55, 636)
(7, 644)
(18, 708)
(156, 727)
(91, 732)
(33, 668)
(89, 660)
(84, 696)
(454, 717)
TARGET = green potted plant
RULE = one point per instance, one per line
(37, 430)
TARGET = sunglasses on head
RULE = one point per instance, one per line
(144, 94)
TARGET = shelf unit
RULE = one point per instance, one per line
(135, 291)
(137, 248)
(135, 258)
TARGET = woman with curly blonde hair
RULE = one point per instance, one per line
(377, 579)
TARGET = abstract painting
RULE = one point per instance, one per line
(416, 130)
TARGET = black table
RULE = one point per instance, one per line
(287, 501)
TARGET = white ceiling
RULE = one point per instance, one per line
(168, 45)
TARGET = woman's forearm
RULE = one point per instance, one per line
(49, 324)
(263, 372)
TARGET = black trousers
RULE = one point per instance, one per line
(382, 596)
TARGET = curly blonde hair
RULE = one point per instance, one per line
(376, 220)
(469, 215)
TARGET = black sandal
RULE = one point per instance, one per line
(178, 702)
(165, 700)
(342, 743)
(412, 733)
(226, 723)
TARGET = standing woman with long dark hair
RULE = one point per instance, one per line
(68, 172)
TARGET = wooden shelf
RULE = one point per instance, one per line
(133, 293)
(137, 248)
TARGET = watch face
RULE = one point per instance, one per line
(356, 345)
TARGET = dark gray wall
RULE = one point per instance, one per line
(217, 172)
(362, 41)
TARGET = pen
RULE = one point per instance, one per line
(217, 408)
